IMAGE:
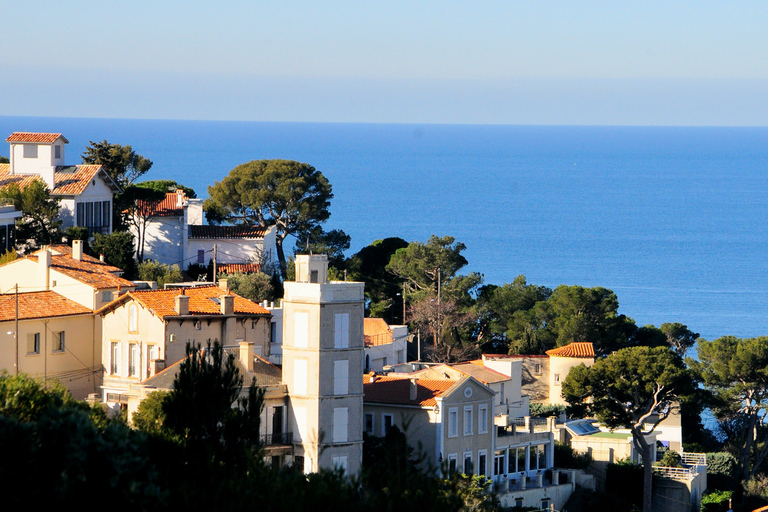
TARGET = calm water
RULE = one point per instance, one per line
(672, 219)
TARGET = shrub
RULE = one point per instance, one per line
(716, 501)
(567, 457)
(153, 271)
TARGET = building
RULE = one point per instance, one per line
(85, 192)
(8, 217)
(52, 338)
(322, 367)
(172, 231)
(384, 344)
(145, 331)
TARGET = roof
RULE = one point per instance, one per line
(67, 251)
(35, 138)
(481, 373)
(243, 268)
(397, 391)
(98, 275)
(575, 349)
(166, 207)
(71, 180)
(45, 304)
(203, 300)
(196, 231)
(511, 356)
(374, 326)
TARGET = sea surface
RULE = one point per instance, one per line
(672, 219)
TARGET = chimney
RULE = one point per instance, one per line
(101, 258)
(413, 387)
(373, 377)
(179, 198)
(227, 304)
(44, 264)
(48, 175)
(224, 284)
(77, 250)
(246, 355)
(182, 304)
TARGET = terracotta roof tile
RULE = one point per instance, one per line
(388, 390)
(41, 138)
(44, 304)
(576, 349)
(70, 180)
(484, 375)
(67, 251)
(226, 231)
(243, 268)
(166, 207)
(97, 275)
(163, 302)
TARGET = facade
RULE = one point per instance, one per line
(384, 344)
(53, 339)
(8, 217)
(145, 331)
(322, 367)
(85, 192)
(173, 233)
(561, 360)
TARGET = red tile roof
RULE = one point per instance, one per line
(576, 349)
(163, 302)
(44, 304)
(166, 207)
(226, 231)
(97, 275)
(243, 268)
(70, 180)
(40, 138)
(67, 251)
(397, 391)
(480, 372)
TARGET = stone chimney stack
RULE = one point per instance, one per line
(182, 304)
(179, 198)
(246, 355)
(413, 388)
(224, 284)
(227, 304)
(77, 250)
(44, 265)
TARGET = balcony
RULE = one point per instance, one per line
(283, 439)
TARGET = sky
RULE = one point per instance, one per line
(489, 62)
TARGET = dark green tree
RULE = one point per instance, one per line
(383, 290)
(166, 186)
(294, 197)
(121, 163)
(679, 337)
(117, 249)
(40, 224)
(256, 287)
(634, 388)
(332, 243)
(138, 207)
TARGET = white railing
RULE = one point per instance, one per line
(694, 459)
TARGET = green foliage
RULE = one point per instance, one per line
(716, 501)
(755, 492)
(166, 186)
(474, 492)
(153, 271)
(40, 224)
(567, 457)
(679, 337)
(671, 459)
(149, 417)
(545, 410)
(383, 290)
(8, 256)
(722, 471)
(332, 243)
(624, 481)
(256, 287)
(292, 196)
(734, 371)
(4, 160)
(27, 399)
(117, 249)
(121, 163)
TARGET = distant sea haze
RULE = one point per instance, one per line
(672, 219)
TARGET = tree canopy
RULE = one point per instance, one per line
(40, 224)
(166, 186)
(121, 163)
(292, 196)
(632, 388)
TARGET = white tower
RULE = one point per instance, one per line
(323, 355)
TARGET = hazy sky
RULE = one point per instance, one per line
(512, 62)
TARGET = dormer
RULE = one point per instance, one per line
(37, 153)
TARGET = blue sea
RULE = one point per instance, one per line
(672, 219)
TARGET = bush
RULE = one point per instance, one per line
(567, 457)
(671, 459)
(255, 287)
(153, 271)
(545, 410)
(716, 501)
(624, 480)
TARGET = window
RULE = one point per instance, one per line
(557, 379)
(545, 503)
(482, 457)
(30, 150)
(33, 342)
(340, 422)
(386, 423)
(201, 256)
(452, 463)
(518, 502)
(57, 151)
(453, 422)
(133, 318)
(198, 325)
(58, 341)
(468, 463)
(300, 367)
(93, 215)
(301, 329)
(152, 355)
(115, 362)
(341, 330)
(272, 332)
(133, 360)
(106, 296)
(341, 377)
(313, 276)
(468, 420)
(482, 419)
(537, 368)
(537, 457)
(498, 462)
(340, 462)
(516, 460)
(369, 422)
(400, 357)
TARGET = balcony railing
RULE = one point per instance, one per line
(283, 439)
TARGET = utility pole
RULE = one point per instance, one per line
(16, 334)
(215, 271)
